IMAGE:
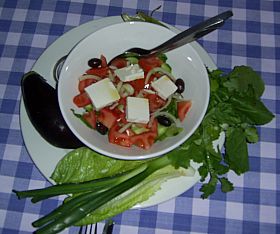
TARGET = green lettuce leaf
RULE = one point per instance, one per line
(84, 164)
(137, 194)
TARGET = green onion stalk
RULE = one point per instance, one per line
(87, 196)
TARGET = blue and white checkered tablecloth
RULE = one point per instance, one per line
(252, 37)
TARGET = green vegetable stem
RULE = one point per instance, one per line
(81, 205)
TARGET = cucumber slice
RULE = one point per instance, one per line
(161, 130)
(132, 60)
(89, 107)
(138, 130)
(166, 67)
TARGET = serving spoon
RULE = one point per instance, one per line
(185, 37)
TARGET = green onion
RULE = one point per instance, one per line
(84, 203)
(94, 185)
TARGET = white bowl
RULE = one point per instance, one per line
(111, 41)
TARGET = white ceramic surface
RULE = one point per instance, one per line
(111, 41)
(46, 156)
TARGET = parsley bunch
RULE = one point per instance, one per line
(235, 108)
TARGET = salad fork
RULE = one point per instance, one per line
(88, 229)
(108, 228)
(180, 39)
(185, 37)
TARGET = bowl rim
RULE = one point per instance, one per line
(131, 156)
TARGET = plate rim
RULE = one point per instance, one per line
(99, 23)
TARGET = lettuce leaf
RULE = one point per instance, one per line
(137, 194)
(83, 164)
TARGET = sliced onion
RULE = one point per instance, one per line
(121, 108)
(114, 105)
(150, 124)
(111, 76)
(161, 70)
(165, 105)
(113, 67)
(88, 76)
(149, 91)
(178, 96)
(126, 90)
(166, 114)
(126, 126)
(119, 85)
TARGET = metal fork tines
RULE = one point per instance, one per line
(88, 229)
(107, 229)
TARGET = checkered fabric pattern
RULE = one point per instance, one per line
(252, 37)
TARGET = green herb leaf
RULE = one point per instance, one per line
(227, 186)
(243, 77)
(208, 188)
(236, 150)
(253, 109)
(251, 134)
(141, 16)
(203, 172)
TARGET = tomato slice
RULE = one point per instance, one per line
(183, 108)
(121, 113)
(115, 137)
(82, 100)
(145, 140)
(155, 102)
(100, 71)
(90, 118)
(85, 83)
(149, 63)
(154, 127)
(119, 62)
(107, 117)
(122, 101)
(137, 85)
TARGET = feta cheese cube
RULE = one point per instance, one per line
(102, 93)
(137, 110)
(164, 87)
(130, 73)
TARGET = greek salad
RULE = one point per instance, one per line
(135, 101)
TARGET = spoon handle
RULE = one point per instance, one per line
(193, 33)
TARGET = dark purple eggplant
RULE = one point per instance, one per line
(41, 104)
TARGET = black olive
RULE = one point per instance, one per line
(180, 85)
(102, 129)
(94, 62)
(164, 121)
(41, 104)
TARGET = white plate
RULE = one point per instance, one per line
(46, 156)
